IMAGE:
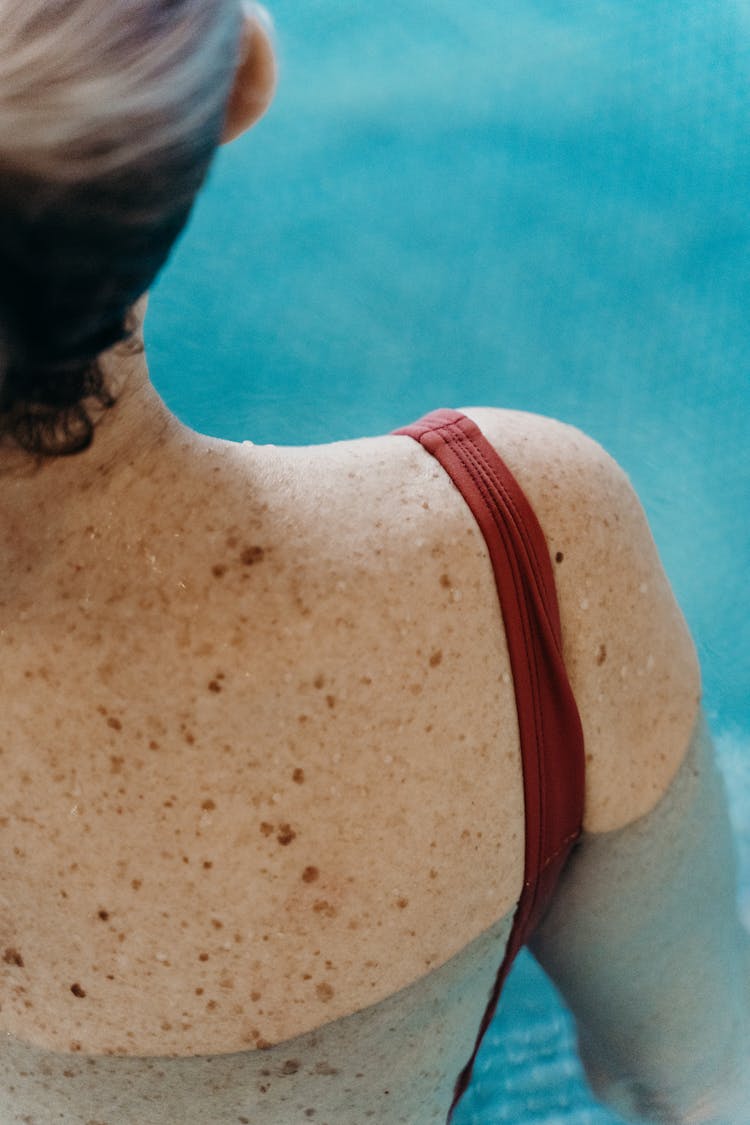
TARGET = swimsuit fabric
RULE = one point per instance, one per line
(549, 725)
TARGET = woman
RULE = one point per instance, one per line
(268, 805)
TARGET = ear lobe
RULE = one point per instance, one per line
(255, 77)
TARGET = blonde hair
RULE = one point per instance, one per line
(110, 114)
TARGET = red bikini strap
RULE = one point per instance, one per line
(549, 725)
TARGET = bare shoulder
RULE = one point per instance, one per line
(630, 656)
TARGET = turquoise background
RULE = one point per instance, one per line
(541, 205)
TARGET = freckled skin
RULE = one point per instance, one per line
(338, 792)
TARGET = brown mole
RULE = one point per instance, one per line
(251, 555)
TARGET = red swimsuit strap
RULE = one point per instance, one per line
(549, 725)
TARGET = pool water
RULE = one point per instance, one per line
(530, 204)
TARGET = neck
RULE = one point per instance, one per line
(38, 491)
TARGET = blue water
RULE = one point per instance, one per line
(541, 205)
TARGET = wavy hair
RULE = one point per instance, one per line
(110, 115)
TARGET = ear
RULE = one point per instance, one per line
(255, 77)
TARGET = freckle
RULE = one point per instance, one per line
(75, 1046)
(302, 718)
(116, 762)
(211, 1005)
(104, 915)
(286, 834)
(433, 873)
(601, 655)
(203, 957)
(252, 555)
(366, 680)
(136, 884)
(266, 828)
(559, 557)
(238, 938)
(402, 903)
(208, 804)
(320, 906)
(232, 542)
(445, 581)
(436, 658)
(13, 957)
(331, 701)
(214, 686)
(78, 991)
(298, 776)
(114, 723)
(319, 681)
(324, 991)
(153, 745)
(218, 570)
(189, 737)
(199, 991)
(207, 864)
(310, 874)
(291, 1066)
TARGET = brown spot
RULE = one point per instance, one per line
(331, 701)
(153, 744)
(211, 1005)
(116, 762)
(214, 686)
(203, 957)
(207, 864)
(256, 996)
(286, 834)
(252, 555)
(436, 658)
(402, 903)
(601, 655)
(319, 681)
(208, 804)
(302, 718)
(136, 884)
(445, 582)
(218, 570)
(189, 737)
(104, 915)
(266, 828)
(310, 1112)
(310, 875)
(13, 957)
(298, 776)
(321, 906)
(78, 991)
(559, 557)
(291, 1066)
(433, 873)
(325, 993)
(114, 723)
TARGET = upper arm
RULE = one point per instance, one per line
(628, 652)
(645, 943)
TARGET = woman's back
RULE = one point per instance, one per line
(279, 731)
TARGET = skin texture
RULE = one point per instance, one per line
(278, 743)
